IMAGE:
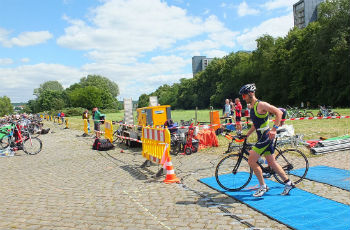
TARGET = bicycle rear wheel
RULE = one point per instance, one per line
(229, 179)
(32, 146)
(290, 160)
(309, 114)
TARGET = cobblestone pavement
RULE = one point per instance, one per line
(70, 186)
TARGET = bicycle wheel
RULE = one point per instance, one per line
(291, 160)
(116, 137)
(175, 147)
(5, 142)
(32, 146)
(229, 179)
(309, 114)
(300, 114)
(336, 114)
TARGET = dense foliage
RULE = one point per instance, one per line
(91, 91)
(307, 65)
(5, 106)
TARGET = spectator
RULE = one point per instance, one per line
(97, 121)
(227, 111)
(87, 117)
(238, 109)
(58, 117)
(62, 115)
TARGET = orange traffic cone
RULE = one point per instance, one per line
(170, 173)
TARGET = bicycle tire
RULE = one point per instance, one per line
(32, 146)
(300, 114)
(233, 181)
(116, 138)
(336, 114)
(5, 142)
(309, 114)
(289, 160)
(175, 148)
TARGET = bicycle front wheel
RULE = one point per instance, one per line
(32, 146)
(294, 163)
(233, 172)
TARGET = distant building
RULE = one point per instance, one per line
(305, 11)
(199, 63)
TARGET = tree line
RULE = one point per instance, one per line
(310, 65)
(91, 91)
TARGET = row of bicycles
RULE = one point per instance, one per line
(21, 134)
(324, 111)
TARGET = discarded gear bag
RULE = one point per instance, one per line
(102, 144)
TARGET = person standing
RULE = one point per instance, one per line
(259, 114)
(227, 110)
(87, 117)
(97, 122)
(238, 110)
(62, 115)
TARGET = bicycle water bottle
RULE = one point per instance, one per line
(261, 160)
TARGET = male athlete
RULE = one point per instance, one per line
(264, 147)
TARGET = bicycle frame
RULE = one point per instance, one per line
(244, 151)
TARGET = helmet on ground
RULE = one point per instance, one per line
(247, 88)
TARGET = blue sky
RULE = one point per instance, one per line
(139, 44)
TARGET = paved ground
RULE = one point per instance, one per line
(70, 186)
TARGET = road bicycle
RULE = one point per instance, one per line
(295, 112)
(326, 112)
(12, 136)
(233, 172)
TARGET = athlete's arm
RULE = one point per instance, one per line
(266, 107)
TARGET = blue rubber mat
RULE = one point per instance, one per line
(333, 176)
(299, 210)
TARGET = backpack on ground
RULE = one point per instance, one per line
(102, 144)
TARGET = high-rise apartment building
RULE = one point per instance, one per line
(199, 63)
(305, 11)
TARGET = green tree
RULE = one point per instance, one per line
(101, 83)
(6, 107)
(49, 85)
(143, 100)
(50, 99)
(90, 97)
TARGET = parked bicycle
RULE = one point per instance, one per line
(233, 172)
(295, 112)
(326, 112)
(16, 138)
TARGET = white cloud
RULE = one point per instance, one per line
(276, 27)
(130, 28)
(122, 31)
(215, 53)
(24, 39)
(29, 77)
(6, 61)
(25, 60)
(276, 4)
(244, 9)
